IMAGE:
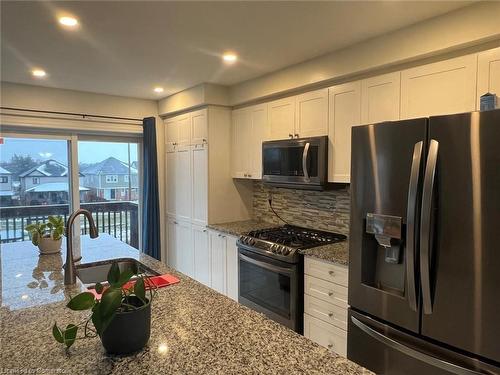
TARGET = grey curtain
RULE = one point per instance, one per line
(151, 200)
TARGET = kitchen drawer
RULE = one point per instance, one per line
(326, 311)
(324, 334)
(327, 271)
(326, 291)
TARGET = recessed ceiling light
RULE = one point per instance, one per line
(68, 21)
(158, 89)
(229, 57)
(39, 73)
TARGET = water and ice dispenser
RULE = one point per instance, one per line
(383, 255)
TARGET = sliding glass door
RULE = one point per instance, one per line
(109, 173)
(42, 175)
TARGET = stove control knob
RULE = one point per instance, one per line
(244, 239)
(251, 241)
(281, 248)
(286, 251)
(274, 248)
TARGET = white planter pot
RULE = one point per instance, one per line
(49, 246)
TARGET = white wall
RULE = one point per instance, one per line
(50, 99)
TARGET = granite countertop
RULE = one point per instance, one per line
(239, 228)
(194, 329)
(336, 252)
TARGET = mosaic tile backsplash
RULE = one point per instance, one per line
(326, 210)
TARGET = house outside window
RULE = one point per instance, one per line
(4, 179)
(36, 180)
(112, 179)
(125, 178)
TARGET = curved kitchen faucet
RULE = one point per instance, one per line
(69, 266)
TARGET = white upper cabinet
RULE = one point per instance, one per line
(345, 112)
(240, 149)
(312, 114)
(380, 98)
(171, 134)
(199, 127)
(199, 162)
(440, 88)
(171, 186)
(249, 130)
(182, 183)
(488, 73)
(259, 133)
(282, 118)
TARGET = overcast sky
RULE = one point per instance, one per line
(43, 149)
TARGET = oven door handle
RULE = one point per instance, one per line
(267, 266)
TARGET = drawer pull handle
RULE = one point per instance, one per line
(331, 273)
(330, 314)
(330, 346)
(330, 294)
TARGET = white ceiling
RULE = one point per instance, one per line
(127, 48)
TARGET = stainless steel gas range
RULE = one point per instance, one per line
(271, 270)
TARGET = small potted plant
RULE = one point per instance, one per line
(47, 236)
(120, 315)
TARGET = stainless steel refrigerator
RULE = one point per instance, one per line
(424, 271)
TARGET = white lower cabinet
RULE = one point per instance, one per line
(325, 304)
(201, 255)
(232, 268)
(217, 261)
(184, 248)
(324, 334)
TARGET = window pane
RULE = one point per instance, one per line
(109, 173)
(33, 184)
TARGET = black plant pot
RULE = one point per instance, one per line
(129, 331)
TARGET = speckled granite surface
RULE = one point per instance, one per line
(336, 253)
(238, 228)
(195, 330)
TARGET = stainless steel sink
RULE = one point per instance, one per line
(97, 272)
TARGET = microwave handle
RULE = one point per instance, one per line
(304, 161)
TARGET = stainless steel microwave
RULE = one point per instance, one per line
(300, 163)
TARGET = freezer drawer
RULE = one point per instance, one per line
(385, 350)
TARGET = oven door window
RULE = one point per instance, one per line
(266, 285)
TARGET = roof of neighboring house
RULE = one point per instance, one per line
(108, 166)
(52, 186)
(6, 193)
(4, 171)
(49, 168)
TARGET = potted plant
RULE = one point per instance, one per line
(120, 315)
(47, 236)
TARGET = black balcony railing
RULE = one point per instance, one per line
(119, 219)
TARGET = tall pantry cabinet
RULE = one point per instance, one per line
(200, 190)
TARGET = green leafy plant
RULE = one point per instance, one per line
(53, 228)
(115, 297)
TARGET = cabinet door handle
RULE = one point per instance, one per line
(204, 231)
(249, 175)
(296, 135)
(330, 294)
(175, 222)
(330, 315)
(331, 273)
(330, 346)
(290, 135)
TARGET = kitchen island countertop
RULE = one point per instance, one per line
(194, 329)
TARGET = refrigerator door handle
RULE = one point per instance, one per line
(425, 225)
(411, 222)
(396, 345)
